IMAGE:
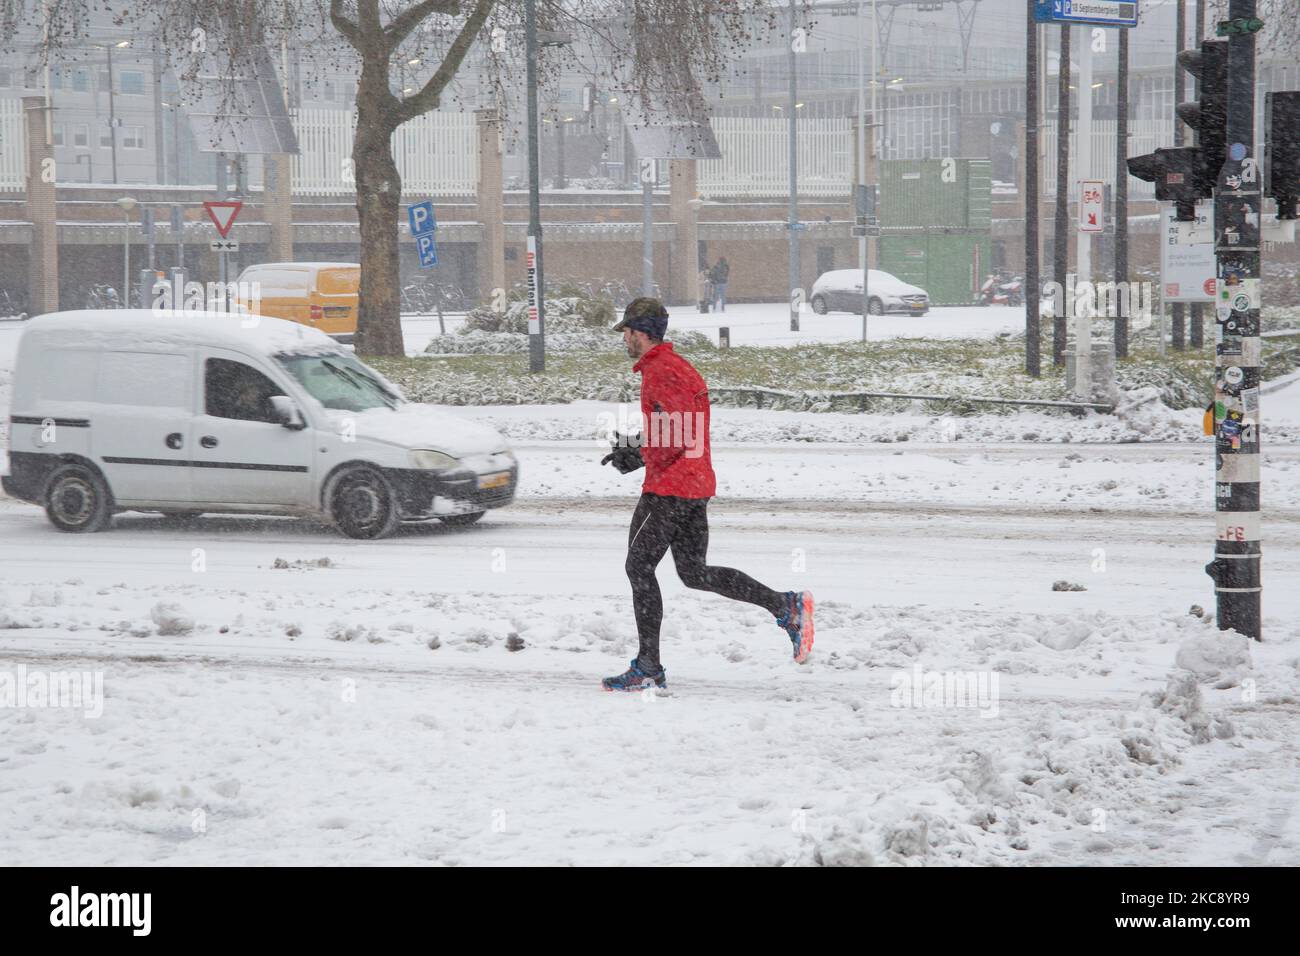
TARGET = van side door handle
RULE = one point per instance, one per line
(207, 441)
(174, 441)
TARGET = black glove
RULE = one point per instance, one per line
(626, 455)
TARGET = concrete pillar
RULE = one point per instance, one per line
(42, 210)
(490, 206)
(277, 196)
(683, 283)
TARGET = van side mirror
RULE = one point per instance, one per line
(286, 412)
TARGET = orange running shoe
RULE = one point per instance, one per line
(797, 620)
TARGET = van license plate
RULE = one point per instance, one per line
(494, 480)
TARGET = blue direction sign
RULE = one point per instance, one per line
(420, 215)
(425, 249)
(1102, 13)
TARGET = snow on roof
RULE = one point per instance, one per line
(119, 329)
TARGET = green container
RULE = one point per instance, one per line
(949, 265)
(935, 193)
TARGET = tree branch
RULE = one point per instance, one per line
(430, 94)
(343, 24)
(401, 25)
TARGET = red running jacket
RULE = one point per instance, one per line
(674, 426)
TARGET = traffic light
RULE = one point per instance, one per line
(1282, 151)
(1208, 116)
(1175, 172)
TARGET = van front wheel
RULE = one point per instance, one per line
(363, 504)
(77, 499)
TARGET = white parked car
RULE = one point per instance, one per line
(188, 412)
(841, 291)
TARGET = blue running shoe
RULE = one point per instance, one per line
(797, 621)
(634, 678)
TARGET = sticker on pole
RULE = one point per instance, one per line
(1092, 205)
(223, 215)
(534, 292)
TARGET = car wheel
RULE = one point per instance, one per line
(876, 307)
(363, 503)
(77, 499)
(461, 521)
(819, 304)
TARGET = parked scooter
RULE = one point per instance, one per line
(1000, 289)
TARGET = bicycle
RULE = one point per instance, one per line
(102, 296)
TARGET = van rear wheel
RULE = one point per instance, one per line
(77, 499)
(363, 504)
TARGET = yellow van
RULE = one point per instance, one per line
(322, 295)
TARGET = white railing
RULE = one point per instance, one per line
(755, 158)
(13, 146)
(437, 153)
(1144, 137)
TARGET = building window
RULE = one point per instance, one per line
(6, 79)
(133, 137)
(81, 136)
(131, 83)
(80, 81)
(106, 137)
(57, 130)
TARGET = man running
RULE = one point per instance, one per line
(672, 513)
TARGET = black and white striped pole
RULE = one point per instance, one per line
(1237, 210)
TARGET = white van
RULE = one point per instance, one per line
(190, 412)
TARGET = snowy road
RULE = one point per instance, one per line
(305, 718)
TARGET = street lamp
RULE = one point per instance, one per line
(126, 204)
(108, 48)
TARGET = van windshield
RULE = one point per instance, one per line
(337, 380)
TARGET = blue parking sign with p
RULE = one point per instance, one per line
(425, 249)
(421, 217)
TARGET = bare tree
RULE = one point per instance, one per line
(657, 48)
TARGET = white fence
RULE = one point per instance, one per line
(755, 158)
(13, 146)
(1144, 137)
(437, 153)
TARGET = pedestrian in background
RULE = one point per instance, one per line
(720, 274)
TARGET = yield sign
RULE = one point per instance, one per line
(223, 215)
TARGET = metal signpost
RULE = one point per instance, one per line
(1098, 13)
(223, 214)
(1238, 197)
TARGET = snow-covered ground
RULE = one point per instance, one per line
(370, 711)
(768, 323)
(275, 693)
